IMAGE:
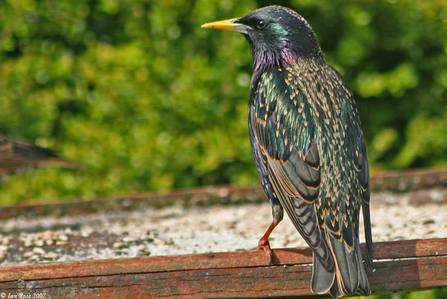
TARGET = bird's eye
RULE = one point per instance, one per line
(261, 24)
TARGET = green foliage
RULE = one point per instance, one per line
(147, 100)
(429, 294)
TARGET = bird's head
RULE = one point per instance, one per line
(277, 35)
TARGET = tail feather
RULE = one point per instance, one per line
(322, 279)
(346, 266)
(347, 277)
(363, 288)
(368, 237)
(336, 292)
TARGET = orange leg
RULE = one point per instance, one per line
(264, 243)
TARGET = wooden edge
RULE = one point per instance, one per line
(238, 259)
(401, 265)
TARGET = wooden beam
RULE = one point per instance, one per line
(392, 181)
(400, 265)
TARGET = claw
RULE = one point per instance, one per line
(265, 245)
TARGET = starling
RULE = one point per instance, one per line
(308, 146)
(17, 156)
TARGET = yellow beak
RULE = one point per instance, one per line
(228, 25)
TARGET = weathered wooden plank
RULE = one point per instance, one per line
(390, 276)
(394, 181)
(412, 274)
(410, 248)
(247, 259)
(234, 282)
(400, 265)
(207, 261)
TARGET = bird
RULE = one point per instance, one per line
(308, 146)
(17, 156)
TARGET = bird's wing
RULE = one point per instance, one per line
(354, 138)
(291, 160)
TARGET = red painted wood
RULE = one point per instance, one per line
(400, 265)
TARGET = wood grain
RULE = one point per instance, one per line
(401, 265)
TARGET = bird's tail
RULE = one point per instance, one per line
(347, 277)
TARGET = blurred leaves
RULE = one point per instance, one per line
(395, 82)
(429, 294)
(147, 100)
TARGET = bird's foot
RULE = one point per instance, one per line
(265, 245)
